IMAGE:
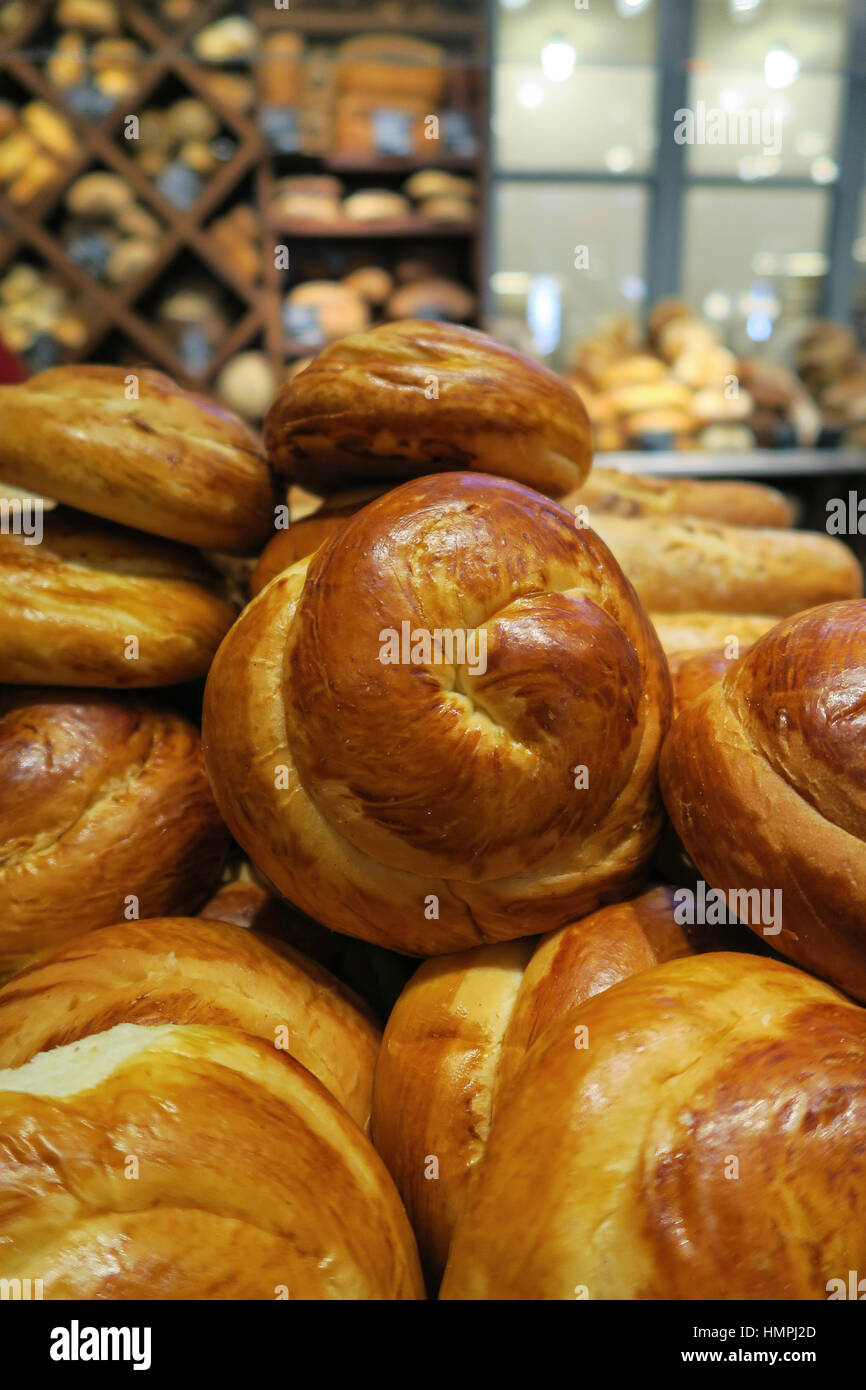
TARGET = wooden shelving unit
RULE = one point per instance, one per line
(126, 310)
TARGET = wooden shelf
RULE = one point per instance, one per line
(736, 463)
(336, 23)
(126, 310)
(370, 230)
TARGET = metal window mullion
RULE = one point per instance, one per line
(665, 221)
(848, 188)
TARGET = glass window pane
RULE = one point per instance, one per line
(599, 119)
(565, 255)
(754, 261)
(740, 33)
(575, 88)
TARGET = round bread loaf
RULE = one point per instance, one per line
(612, 490)
(167, 462)
(694, 672)
(414, 397)
(468, 754)
(187, 970)
(460, 1030)
(764, 778)
(677, 565)
(94, 604)
(696, 1132)
(192, 1162)
(105, 810)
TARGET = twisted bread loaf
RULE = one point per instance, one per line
(96, 604)
(680, 565)
(185, 970)
(105, 808)
(426, 797)
(191, 1162)
(462, 1027)
(764, 777)
(696, 1132)
(416, 397)
(166, 461)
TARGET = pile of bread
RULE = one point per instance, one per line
(834, 370)
(36, 145)
(435, 194)
(448, 730)
(683, 389)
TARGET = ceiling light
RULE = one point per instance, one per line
(619, 158)
(558, 58)
(530, 95)
(823, 169)
(780, 67)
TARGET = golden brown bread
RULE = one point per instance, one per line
(764, 778)
(462, 1027)
(416, 397)
(70, 607)
(694, 672)
(306, 535)
(638, 494)
(678, 565)
(168, 462)
(370, 972)
(431, 803)
(695, 632)
(192, 1162)
(186, 970)
(705, 1142)
(105, 811)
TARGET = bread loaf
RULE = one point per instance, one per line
(612, 490)
(95, 604)
(703, 1143)
(413, 397)
(462, 1027)
(763, 779)
(680, 565)
(105, 812)
(428, 798)
(134, 448)
(191, 1162)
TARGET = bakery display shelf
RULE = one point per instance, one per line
(370, 230)
(752, 463)
(113, 308)
(325, 23)
(396, 164)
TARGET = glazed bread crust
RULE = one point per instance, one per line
(69, 606)
(680, 565)
(168, 462)
(100, 798)
(251, 1181)
(613, 490)
(764, 778)
(363, 410)
(305, 536)
(706, 632)
(186, 970)
(608, 1171)
(460, 1032)
(416, 781)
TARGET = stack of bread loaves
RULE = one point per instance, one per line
(442, 728)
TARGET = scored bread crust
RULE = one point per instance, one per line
(168, 462)
(69, 605)
(365, 410)
(187, 970)
(250, 1180)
